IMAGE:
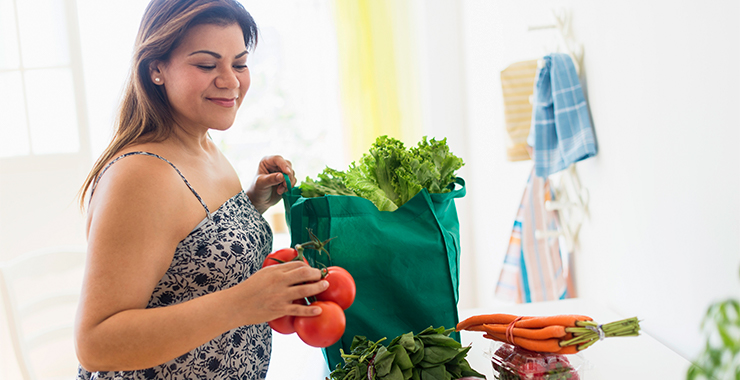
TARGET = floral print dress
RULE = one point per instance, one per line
(226, 248)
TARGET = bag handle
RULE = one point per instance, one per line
(458, 192)
(288, 197)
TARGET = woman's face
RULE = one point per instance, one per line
(206, 77)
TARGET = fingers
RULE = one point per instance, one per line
(305, 291)
(303, 311)
(291, 174)
(267, 189)
(282, 186)
(270, 180)
(277, 164)
(300, 279)
(308, 289)
(303, 281)
(299, 272)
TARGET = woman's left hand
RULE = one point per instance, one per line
(269, 184)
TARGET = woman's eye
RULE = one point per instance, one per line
(206, 67)
(240, 67)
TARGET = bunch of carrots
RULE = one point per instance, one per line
(558, 334)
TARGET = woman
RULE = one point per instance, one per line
(173, 287)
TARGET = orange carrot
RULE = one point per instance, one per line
(562, 320)
(567, 350)
(536, 345)
(554, 331)
(475, 328)
(497, 337)
(486, 318)
(549, 334)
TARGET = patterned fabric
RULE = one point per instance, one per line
(561, 132)
(517, 85)
(533, 268)
(224, 250)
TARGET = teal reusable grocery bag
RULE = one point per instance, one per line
(405, 263)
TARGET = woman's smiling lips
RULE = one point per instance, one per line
(223, 102)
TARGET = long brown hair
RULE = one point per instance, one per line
(145, 114)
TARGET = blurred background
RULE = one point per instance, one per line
(662, 236)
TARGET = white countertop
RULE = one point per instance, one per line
(640, 357)
(633, 358)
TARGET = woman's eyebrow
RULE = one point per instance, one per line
(216, 55)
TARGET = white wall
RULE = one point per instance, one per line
(442, 91)
(662, 241)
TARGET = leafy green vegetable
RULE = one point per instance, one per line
(429, 355)
(330, 182)
(390, 175)
(721, 356)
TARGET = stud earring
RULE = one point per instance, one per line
(157, 80)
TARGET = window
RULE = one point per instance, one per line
(39, 75)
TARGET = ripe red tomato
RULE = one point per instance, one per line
(341, 288)
(324, 329)
(281, 256)
(284, 324)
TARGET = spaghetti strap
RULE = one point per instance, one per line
(95, 184)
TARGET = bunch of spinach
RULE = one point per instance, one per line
(429, 355)
(389, 175)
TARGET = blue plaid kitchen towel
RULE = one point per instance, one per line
(561, 132)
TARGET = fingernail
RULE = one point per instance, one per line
(316, 311)
(324, 284)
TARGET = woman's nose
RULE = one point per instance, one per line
(227, 79)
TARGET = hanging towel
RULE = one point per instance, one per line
(517, 85)
(561, 132)
(533, 268)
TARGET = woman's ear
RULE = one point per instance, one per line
(156, 73)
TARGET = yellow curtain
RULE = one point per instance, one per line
(378, 72)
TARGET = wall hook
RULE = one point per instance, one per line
(566, 42)
(571, 203)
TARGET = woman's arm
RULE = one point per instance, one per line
(137, 217)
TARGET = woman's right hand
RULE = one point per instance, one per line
(269, 293)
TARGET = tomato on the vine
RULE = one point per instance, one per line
(324, 329)
(281, 256)
(341, 288)
(284, 324)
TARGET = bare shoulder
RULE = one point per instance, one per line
(137, 216)
(140, 192)
(134, 176)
